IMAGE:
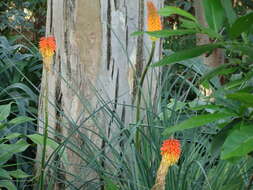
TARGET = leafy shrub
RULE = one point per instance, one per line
(11, 145)
(231, 104)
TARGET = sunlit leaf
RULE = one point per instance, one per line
(197, 121)
(170, 10)
(137, 33)
(214, 14)
(166, 33)
(186, 54)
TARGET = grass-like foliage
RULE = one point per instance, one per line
(120, 164)
(215, 132)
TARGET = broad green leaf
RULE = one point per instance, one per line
(186, 54)
(4, 174)
(246, 50)
(229, 11)
(239, 143)
(242, 24)
(189, 24)
(2, 126)
(5, 111)
(7, 184)
(166, 33)
(220, 70)
(173, 106)
(208, 106)
(18, 174)
(38, 139)
(7, 150)
(13, 136)
(221, 136)
(137, 33)
(20, 120)
(197, 121)
(238, 82)
(243, 97)
(210, 32)
(169, 33)
(214, 14)
(169, 10)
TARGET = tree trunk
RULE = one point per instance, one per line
(93, 69)
(217, 57)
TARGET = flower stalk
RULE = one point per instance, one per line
(139, 93)
(153, 24)
(170, 151)
(47, 50)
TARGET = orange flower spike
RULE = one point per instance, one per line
(170, 151)
(47, 48)
(154, 21)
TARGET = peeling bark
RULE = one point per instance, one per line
(95, 54)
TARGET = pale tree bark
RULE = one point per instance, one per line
(95, 56)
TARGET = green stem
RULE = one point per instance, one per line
(45, 135)
(138, 104)
(250, 183)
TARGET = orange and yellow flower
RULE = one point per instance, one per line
(154, 21)
(171, 151)
(47, 48)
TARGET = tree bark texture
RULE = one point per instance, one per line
(93, 67)
(217, 57)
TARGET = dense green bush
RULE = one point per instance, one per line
(230, 105)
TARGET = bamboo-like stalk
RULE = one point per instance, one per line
(139, 94)
(45, 135)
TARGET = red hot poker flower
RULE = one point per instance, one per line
(171, 151)
(47, 48)
(154, 20)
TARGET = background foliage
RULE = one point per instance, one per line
(20, 67)
(222, 120)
